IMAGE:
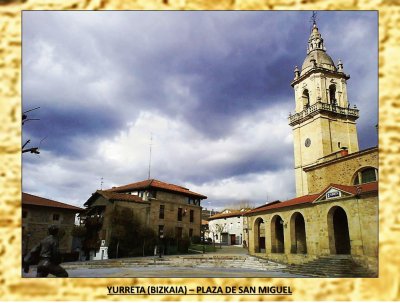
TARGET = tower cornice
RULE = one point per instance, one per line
(319, 70)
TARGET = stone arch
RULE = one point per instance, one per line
(332, 94)
(277, 235)
(298, 234)
(305, 97)
(364, 175)
(259, 235)
(338, 231)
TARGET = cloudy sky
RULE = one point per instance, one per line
(211, 88)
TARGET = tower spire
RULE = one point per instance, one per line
(315, 41)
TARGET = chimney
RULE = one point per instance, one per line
(344, 151)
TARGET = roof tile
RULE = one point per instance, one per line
(121, 197)
(352, 189)
(153, 183)
(228, 215)
(28, 199)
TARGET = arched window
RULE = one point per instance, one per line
(332, 94)
(365, 175)
(306, 98)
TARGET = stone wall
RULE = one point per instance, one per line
(170, 220)
(341, 170)
(149, 214)
(39, 219)
(362, 216)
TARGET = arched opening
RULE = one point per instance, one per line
(338, 230)
(259, 235)
(277, 237)
(365, 175)
(332, 94)
(298, 234)
(306, 98)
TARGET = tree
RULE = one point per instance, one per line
(218, 229)
(33, 150)
(129, 236)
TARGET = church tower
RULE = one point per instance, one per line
(323, 123)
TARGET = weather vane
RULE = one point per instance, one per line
(314, 17)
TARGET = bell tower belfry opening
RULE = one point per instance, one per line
(323, 123)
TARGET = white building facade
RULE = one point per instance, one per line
(227, 227)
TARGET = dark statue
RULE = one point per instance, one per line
(47, 256)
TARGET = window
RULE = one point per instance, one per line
(179, 214)
(161, 214)
(24, 214)
(191, 215)
(56, 217)
(152, 194)
(190, 232)
(160, 231)
(306, 99)
(216, 237)
(332, 94)
(366, 175)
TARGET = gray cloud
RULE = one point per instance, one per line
(212, 87)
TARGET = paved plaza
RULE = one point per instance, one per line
(230, 261)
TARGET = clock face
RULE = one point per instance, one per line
(307, 143)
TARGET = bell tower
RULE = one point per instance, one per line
(323, 123)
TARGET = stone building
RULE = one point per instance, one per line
(39, 213)
(170, 210)
(227, 227)
(336, 208)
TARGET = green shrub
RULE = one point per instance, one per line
(196, 239)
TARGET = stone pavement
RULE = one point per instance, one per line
(231, 249)
(230, 261)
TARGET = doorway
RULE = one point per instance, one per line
(338, 228)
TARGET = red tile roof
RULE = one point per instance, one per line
(351, 189)
(109, 195)
(153, 183)
(233, 213)
(28, 199)
(120, 197)
(291, 202)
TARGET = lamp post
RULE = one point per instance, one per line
(161, 246)
(204, 242)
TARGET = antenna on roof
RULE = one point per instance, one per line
(101, 183)
(151, 142)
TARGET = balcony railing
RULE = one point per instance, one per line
(319, 107)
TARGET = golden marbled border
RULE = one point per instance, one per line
(13, 288)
